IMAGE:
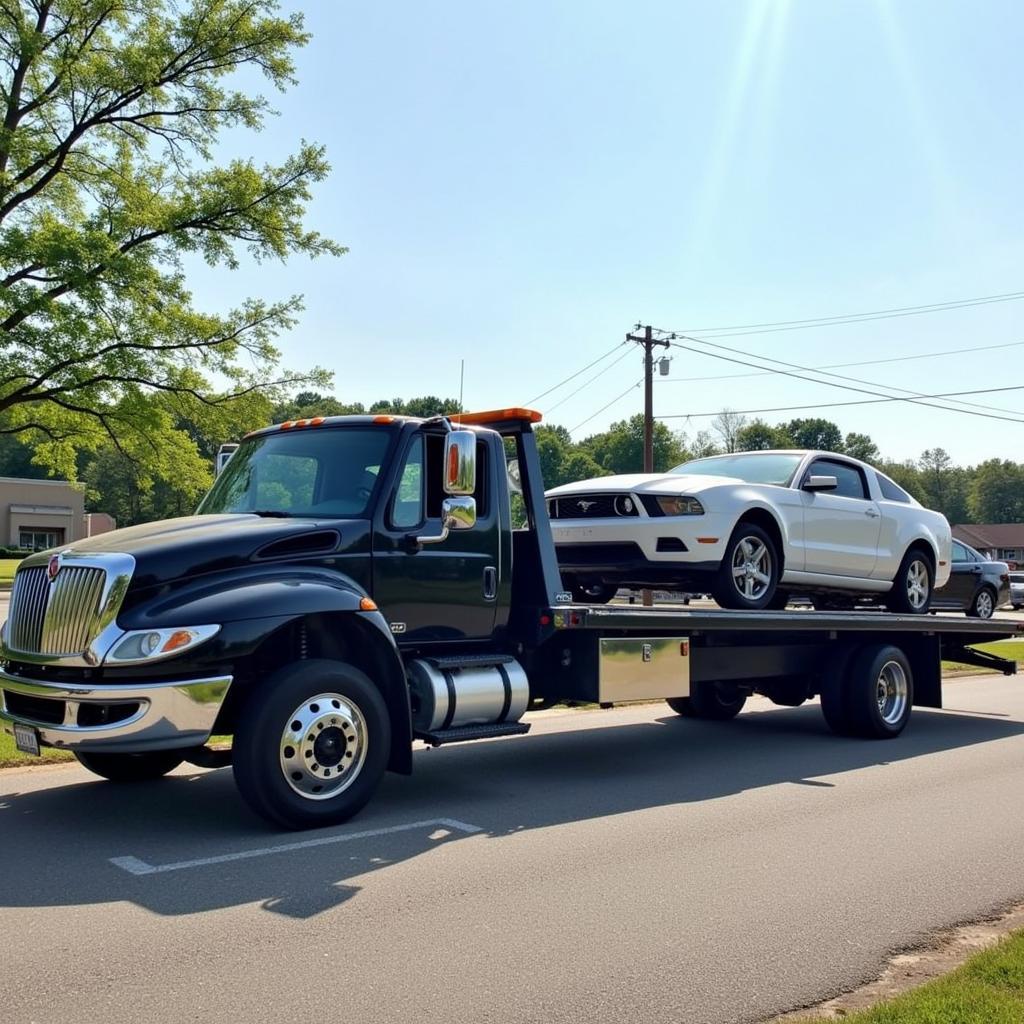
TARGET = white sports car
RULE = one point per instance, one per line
(750, 528)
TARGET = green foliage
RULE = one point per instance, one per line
(110, 115)
(620, 449)
(815, 433)
(997, 492)
(561, 462)
(860, 446)
(425, 406)
(759, 436)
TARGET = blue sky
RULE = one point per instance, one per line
(520, 184)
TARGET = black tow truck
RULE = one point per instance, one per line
(352, 584)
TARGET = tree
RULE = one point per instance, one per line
(620, 449)
(425, 406)
(997, 492)
(815, 433)
(759, 436)
(703, 445)
(561, 462)
(860, 446)
(727, 424)
(110, 114)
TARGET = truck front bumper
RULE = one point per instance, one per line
(127, 718)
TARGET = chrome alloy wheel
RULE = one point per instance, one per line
(984, 605)
(323, 746)
(751, 568)
(891, 692)
(917, 583)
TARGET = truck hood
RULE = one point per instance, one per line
(195, 545)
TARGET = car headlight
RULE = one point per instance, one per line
(680, 506)
(153, 644)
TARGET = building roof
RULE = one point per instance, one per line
(991, 535)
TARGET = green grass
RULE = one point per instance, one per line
(7, 567)
(987, 989)
(10, 757)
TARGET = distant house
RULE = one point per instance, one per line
(41, 514)
(1003, 542)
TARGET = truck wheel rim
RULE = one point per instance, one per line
(751, 568)
(917, 584)
(323, 746)
(983, 605)
(891, 692)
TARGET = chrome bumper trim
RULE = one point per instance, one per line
(170, 714)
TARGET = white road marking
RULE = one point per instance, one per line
(134, 866)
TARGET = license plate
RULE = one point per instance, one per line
(26, 739)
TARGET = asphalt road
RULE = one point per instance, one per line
(624, 865)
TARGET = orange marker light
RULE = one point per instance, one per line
(287, 425)
(707, 540)
(496, 415)
(179, 638)
(383, 419)
(316, 421)
(367, 604)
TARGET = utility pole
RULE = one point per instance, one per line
(648, 343)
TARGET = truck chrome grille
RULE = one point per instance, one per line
(59, 618)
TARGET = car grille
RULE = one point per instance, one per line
(59, 618)
(593, 506)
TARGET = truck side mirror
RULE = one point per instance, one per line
(456, 514)
(460, 462)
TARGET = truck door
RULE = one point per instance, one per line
(436, 592)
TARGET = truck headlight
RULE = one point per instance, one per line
(680, 506)
(153, 644)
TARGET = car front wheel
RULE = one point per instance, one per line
(749, 573)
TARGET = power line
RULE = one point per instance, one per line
(608, 406)
(863, 391)
(574, 375)
(772, 327)
(587, 383)
(838, 376)
(834, 405)
(839, 366)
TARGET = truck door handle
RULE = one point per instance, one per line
(490, 583)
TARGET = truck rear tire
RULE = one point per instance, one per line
(875, 697)
(716, 701)
(131, 767)
(312, 744)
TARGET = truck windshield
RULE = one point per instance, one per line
(328, 472)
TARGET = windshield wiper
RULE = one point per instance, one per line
(271, 513)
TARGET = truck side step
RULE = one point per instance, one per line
(450, 661)
(463, 733)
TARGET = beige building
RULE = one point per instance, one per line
(40, 514)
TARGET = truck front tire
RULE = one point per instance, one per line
(131, 767)
(311, 744)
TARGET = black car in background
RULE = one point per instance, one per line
(976, 585)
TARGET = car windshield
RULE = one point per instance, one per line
(320, 472)
(751, 467)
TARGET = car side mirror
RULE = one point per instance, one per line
(460, 462)
(820, 483)
(456, 514)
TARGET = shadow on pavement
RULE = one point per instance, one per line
(57, 842)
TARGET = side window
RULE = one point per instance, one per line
(407, 510)
(849, 478)
(960, 553)
(891, 491)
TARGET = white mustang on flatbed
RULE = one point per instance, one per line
(752, 528)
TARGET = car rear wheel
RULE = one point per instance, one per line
(984, 604)
(749, 573)
(911, 591)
